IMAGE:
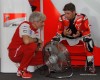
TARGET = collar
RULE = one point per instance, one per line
(32, 27)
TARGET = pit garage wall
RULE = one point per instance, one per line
(9, 21)
(53, 9)
(35, 3)
(11, 17)
(0, 30)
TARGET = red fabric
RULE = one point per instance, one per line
(78, 53)
(80, 48)
(51, 22)
(35, 3)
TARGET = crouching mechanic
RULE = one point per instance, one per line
(74, 26)
(23, 46)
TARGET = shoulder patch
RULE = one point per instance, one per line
(83, 14)
(85, 17)
(24, 25)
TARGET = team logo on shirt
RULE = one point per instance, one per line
(25, 31)
(30, 32)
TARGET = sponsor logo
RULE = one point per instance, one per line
(25, 31)
(13, 19)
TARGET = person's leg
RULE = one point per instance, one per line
(90, 62)
(13, 57)
(90, 57)
(37, 59)
(23, 55)
(28, 52)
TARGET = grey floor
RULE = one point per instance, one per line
(79, 74)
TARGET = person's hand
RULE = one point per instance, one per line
(76, 35)
(40, 41)
(67, 32)
(39, 44)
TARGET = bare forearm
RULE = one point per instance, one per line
(35, 40)
(28, 40)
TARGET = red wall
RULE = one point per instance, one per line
(51, 26)
(51, 22)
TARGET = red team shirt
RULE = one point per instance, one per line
(24, 28)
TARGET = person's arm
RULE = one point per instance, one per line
(27, 39)
(24, 32)
(85, 27)
(67, 32)
(60, 27)
(78, 34)
(62, 24)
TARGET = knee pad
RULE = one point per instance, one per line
(90, 58)
(89, 44)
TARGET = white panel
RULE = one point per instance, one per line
(41, 30)
(0, 29)
(6, 33)
(59, 4)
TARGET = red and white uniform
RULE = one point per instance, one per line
(80, 22)
(21, 53)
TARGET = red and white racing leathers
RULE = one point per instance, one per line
(79, 23)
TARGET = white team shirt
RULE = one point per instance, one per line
(25, 29)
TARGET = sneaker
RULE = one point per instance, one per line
(24, 74)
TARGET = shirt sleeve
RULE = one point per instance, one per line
(24, 29)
